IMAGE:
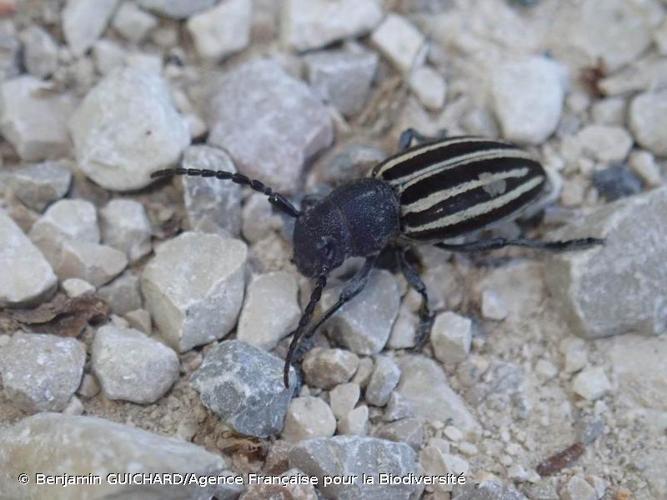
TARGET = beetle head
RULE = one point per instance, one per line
(320, 240)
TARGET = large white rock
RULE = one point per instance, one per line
(84, 21)
(126, 128)
(271, 310)
(26, 276)
(269, 123)
(311, 24)
(648, 121)
(132, 366)
(33, 119)
(57, 445)
(528, 98)
(41, 372)
(619, 287)
(223, 30)
(194, 288)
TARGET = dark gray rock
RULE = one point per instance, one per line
(269, 122)
(618, 287)
(353, 456)
(616, 182)
(243, 385)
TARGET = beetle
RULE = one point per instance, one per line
(428, 193)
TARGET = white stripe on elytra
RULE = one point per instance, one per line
(490, 154)
(425, 149)
(485, 179)
(479, 209)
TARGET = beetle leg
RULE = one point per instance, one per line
(426, 317)
(409, 134)
(495, 243)
(351, 289)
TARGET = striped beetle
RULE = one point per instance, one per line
(429, 193)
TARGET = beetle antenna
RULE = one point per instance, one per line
(276, 199)
(303, 322)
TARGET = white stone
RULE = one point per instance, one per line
(342, 77)
(528, 98)
(577, 488)
(438, 463)
(405, 329)
(176, 9)
(131, 366)
(429, 86)
(605, 143)
(108, 55)
(139, 319)
(343, 398)
(247, 117)
(644, 165)
(40, 51)
(400, 42)
(609, 111)
(591, 384)
(576, 354)
(33, 119)
(311, 24)
(222, 30)
(308, 417)
(451, 337)
(75, 287)
(132, 22)
(493, 305)
(26, 277)
(546, 370)
(648, 121)
(326, 368)
(194, 287)
(270, 311)
(41, 372)
(92, 262)
(40, 184)
(125, 226)
(126, 128)
(84, 21)
(355, 422)
(660, 38)
(73, 219)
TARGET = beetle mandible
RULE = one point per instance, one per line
(439, 189)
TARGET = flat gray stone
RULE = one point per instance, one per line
(126, 128)
(125, 226)
(243, 385)
(406, 430)
(41, 184)
(424, 384)
(211, 205)
(383, 381)
(342, 78)
(83, 22)
(586, 284)
(27, 277)
(248, 115)
(363, 325)
(648, 121)
(41, 372)
(131, 366)
(194, 287)
(354, 456)
(528, 98)
(57, 445)
(451, 337)
(97, 264)
(176, 9)
(34, 119)
(270, 311)
(401, 42)
(122, 294)
(312, 24)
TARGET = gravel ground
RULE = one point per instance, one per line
(143, 324)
